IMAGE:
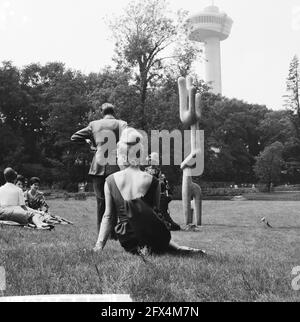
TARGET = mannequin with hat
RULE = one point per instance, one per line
(103, 135)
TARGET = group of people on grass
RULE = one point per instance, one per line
(22, 206)
(132, 203)
(25, 206)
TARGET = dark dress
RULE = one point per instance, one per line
(129, 230)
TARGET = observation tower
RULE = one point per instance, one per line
(210, 26)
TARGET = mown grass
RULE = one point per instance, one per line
(245, 261)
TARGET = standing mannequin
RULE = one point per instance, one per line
(98, 132)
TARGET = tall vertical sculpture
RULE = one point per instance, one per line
(190, 114)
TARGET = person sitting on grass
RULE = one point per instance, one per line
(34, 198)
(12, 204)
(131, 197)
(21, 182)
(36, 202)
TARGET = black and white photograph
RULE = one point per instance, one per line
(149, 154)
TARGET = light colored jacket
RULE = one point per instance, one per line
(100, 132)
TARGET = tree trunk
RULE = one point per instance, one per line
(143, 106)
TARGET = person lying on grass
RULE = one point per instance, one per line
(131, 197)
(12, 204)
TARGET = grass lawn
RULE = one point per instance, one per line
(245, 262)
(274, 196)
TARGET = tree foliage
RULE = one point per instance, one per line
(293, 86)
(269, 164)
(41, 106)
(143, 35)
(277, 126)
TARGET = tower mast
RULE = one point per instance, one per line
(211, 26)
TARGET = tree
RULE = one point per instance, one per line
(292, 100)
(142, 34)
(277, 126)
(232, 138)
(23, 110)
(185, 52)
(269, 164)
(113, 86)
(12, 143)
(67, 107)
(11, 96)
(42, 106)
(293, 86)
(280, 126)
(291, 155)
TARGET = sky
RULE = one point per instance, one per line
(255, 58)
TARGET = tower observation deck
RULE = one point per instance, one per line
(210, 26)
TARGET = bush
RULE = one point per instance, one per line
(287, 188)
(227, 191)
(262, 188)
(71, 187)
(216, 192)
(47, 175)
(80, 196)
(206, 185)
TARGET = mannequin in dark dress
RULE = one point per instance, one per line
(131, 183)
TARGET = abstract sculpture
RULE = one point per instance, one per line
(190, 114)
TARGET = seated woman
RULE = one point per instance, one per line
(36, 202)
(22, 184)
(12, 204)
(131, 196)
(34, 198)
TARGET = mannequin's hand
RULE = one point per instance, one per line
(98, 248)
